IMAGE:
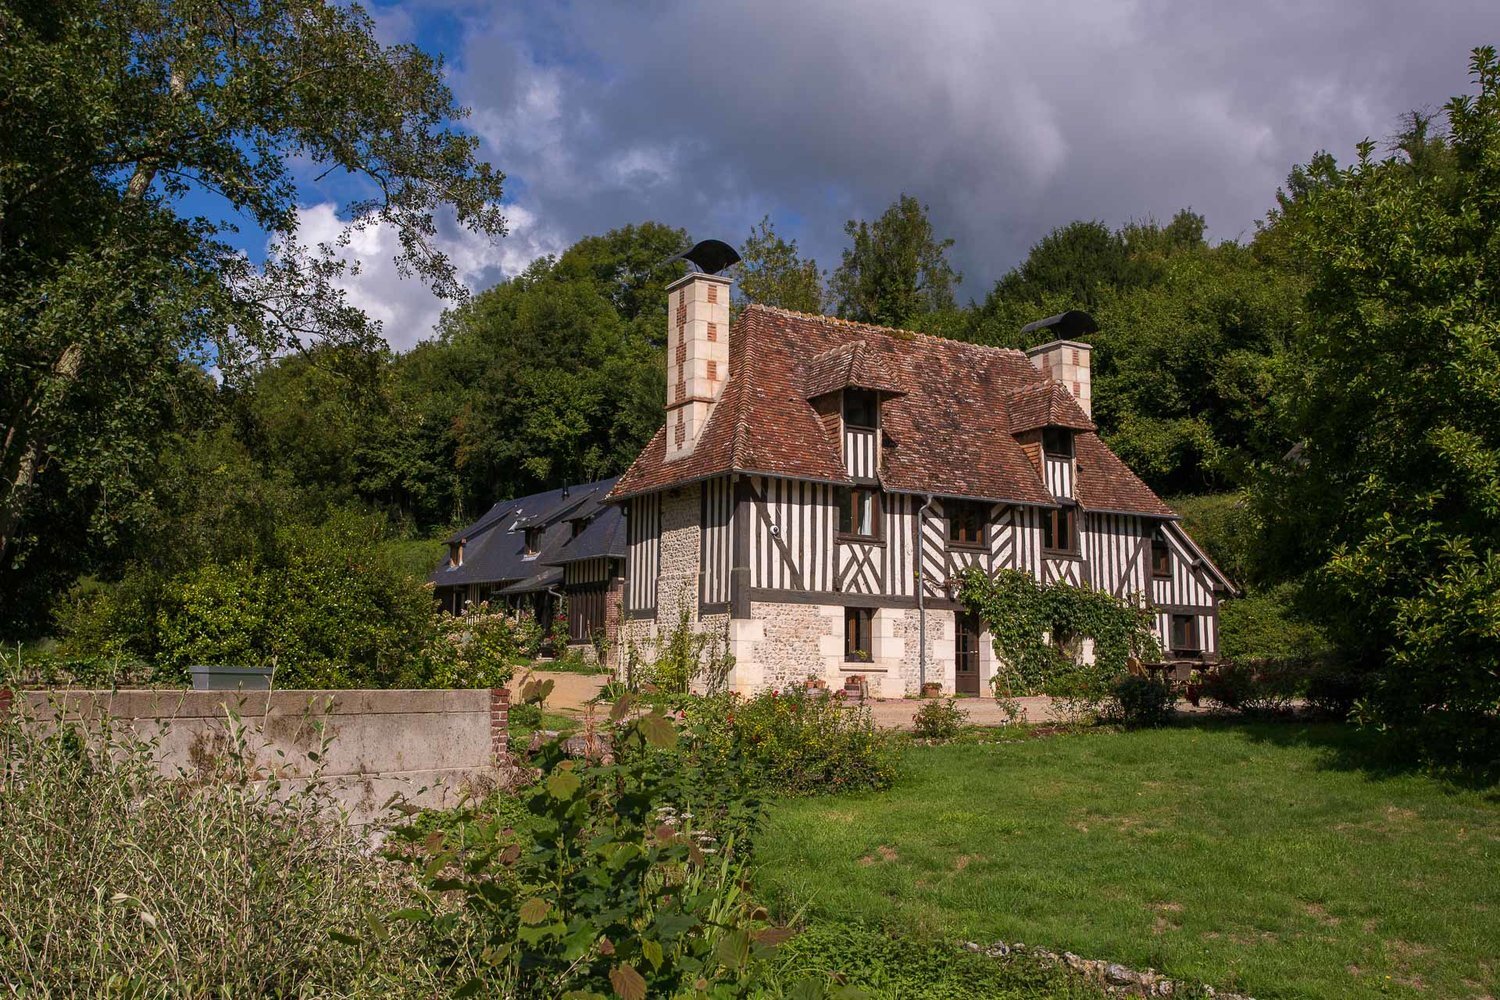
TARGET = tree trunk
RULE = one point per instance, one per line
(21, 456)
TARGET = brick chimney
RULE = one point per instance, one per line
(697, 356)
(1067, 361)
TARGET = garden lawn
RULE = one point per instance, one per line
(1265, 858)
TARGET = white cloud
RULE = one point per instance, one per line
(406, 310)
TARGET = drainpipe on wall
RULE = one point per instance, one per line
(921, 599)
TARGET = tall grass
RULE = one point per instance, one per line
(118, 880)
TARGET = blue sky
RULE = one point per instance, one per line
(1007, 118)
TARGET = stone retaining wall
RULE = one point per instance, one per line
(425, 746)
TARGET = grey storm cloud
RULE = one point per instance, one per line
(1007, 118)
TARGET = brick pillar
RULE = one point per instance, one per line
(499, 725)
(614, 597)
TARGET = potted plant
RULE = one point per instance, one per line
(1193, 689)
(932, 689)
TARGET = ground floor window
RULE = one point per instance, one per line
(1185, 634)
(857, 622)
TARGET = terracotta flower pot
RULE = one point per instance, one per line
(931, 689)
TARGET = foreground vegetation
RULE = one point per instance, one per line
(1278, 858)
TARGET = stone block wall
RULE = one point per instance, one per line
(426, 746)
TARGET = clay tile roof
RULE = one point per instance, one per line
(1046, 404)
(948, 433)
(853, 365)
(1106, 483)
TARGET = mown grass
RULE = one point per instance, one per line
(1268, 858)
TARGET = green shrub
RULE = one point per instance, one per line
(938, 719)
(608, 887)
(1334, 687)
(328, 606)
(525, 716)
(119, 881)
(1142, 702)
(1267, 625)
(1266, 687)
(793, 742)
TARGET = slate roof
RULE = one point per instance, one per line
(495, 545)
(948, 433)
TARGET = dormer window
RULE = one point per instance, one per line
(455, 554)
(861, 408)
(579, 525)
(533, 540)
(1057, 442)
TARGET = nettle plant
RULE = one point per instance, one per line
(1038, 631)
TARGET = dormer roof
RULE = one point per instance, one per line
(854, 365)
(1046, 404)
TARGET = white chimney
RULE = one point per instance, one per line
(1067, 361)
(697, 356)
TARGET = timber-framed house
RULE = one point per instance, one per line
(819, 485)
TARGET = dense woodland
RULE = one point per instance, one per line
(1320, 400)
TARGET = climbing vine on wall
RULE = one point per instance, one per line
(1037, 629)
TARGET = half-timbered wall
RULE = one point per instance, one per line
(791, 534)
(1188, 586)
(717, 539)
(860, 452)
(1116, 549)
(597, 570)
(1188, 590)
(1059, 473)
(886, 567)
(1016, 539)
(643, 520)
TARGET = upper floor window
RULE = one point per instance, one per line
(533, 540)
(861, 408)
(1161, 555)
(966, 521)
(578, 525)
(859, 512)
(455, 554)
(1057, 442)
(1060, 530)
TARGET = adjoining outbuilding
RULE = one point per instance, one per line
(539, 553)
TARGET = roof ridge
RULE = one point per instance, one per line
(877, 328)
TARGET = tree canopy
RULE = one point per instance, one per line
(115, 295)
(895, 269)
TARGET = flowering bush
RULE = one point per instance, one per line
(479, 648)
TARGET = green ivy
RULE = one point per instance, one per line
(1037, 628)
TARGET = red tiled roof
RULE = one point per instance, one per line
(1046, 404)
(1106, 483)
(948, 434)
(852, 365)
